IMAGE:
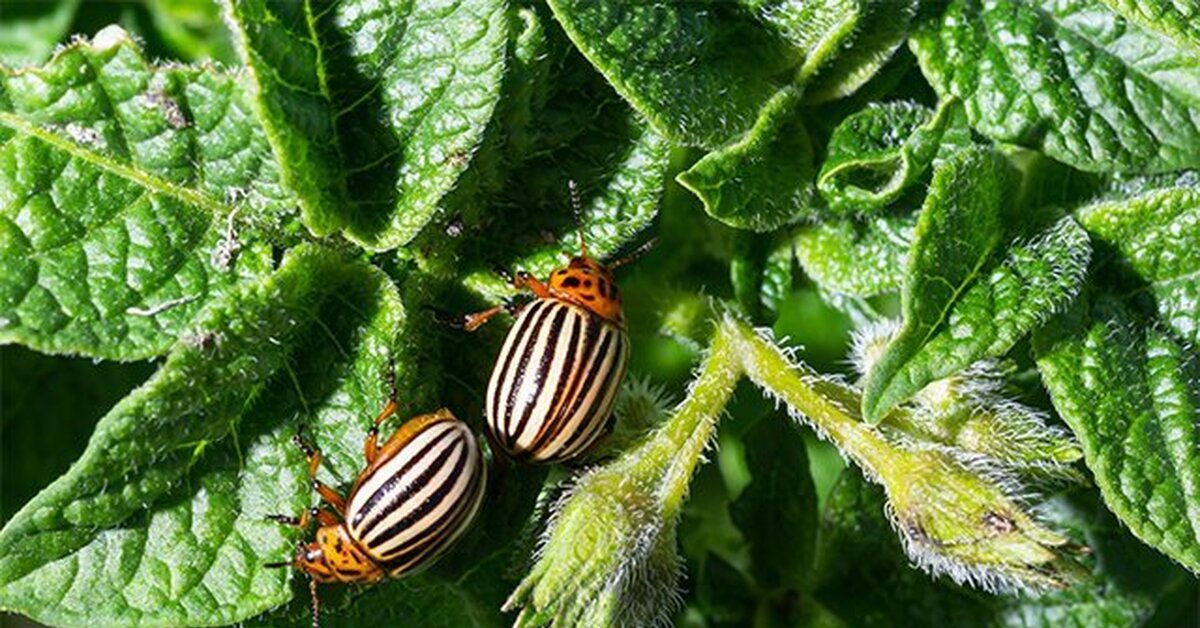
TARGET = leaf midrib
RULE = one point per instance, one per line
(310, 22)
(144, 179)
(959, 289)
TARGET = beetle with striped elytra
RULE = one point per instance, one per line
(417, 495)
(554, 384)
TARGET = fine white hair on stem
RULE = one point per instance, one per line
(868, 342)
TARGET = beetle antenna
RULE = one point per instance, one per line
(316, 602)
(577, 205)
(636, 253)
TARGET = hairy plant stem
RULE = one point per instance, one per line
(609, 555)
(684, 437)
(831, 407)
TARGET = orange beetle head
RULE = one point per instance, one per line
(335, 557)
(589, 284)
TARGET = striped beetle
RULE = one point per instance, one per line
(555, 381)
(417, 495)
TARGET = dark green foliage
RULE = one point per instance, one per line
(220, 220)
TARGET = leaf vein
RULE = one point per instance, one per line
(144, 179)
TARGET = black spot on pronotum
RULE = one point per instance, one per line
(587, 283)
(588, 297)
(603, 285)
(571, 282)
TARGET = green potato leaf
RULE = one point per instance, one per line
(858, 259)
(878, 153)
(1154, 236)
(699, 72)
(971, 289)
(1070, 78)
(373, 109)
(763, 180)
(161, 521)
(1128, 390)
(123, 187)
(259, 241)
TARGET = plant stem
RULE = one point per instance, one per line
(830, 406)
(672, 453)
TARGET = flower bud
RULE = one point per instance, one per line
(608, 559)
(958, 512)
(966, 523)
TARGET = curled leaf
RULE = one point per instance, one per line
(763, 180)
(876, 154)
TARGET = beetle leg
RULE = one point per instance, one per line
(471, 322)
(330, 496)
(371, 446)
(326, 492)
(287, 520)
(525, 281)
(324, 517)
(294, 562)
(316, 602)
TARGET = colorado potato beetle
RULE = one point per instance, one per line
(417, 495)
(552, 389)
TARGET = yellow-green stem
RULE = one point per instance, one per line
(681, 441)
(830, 406)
